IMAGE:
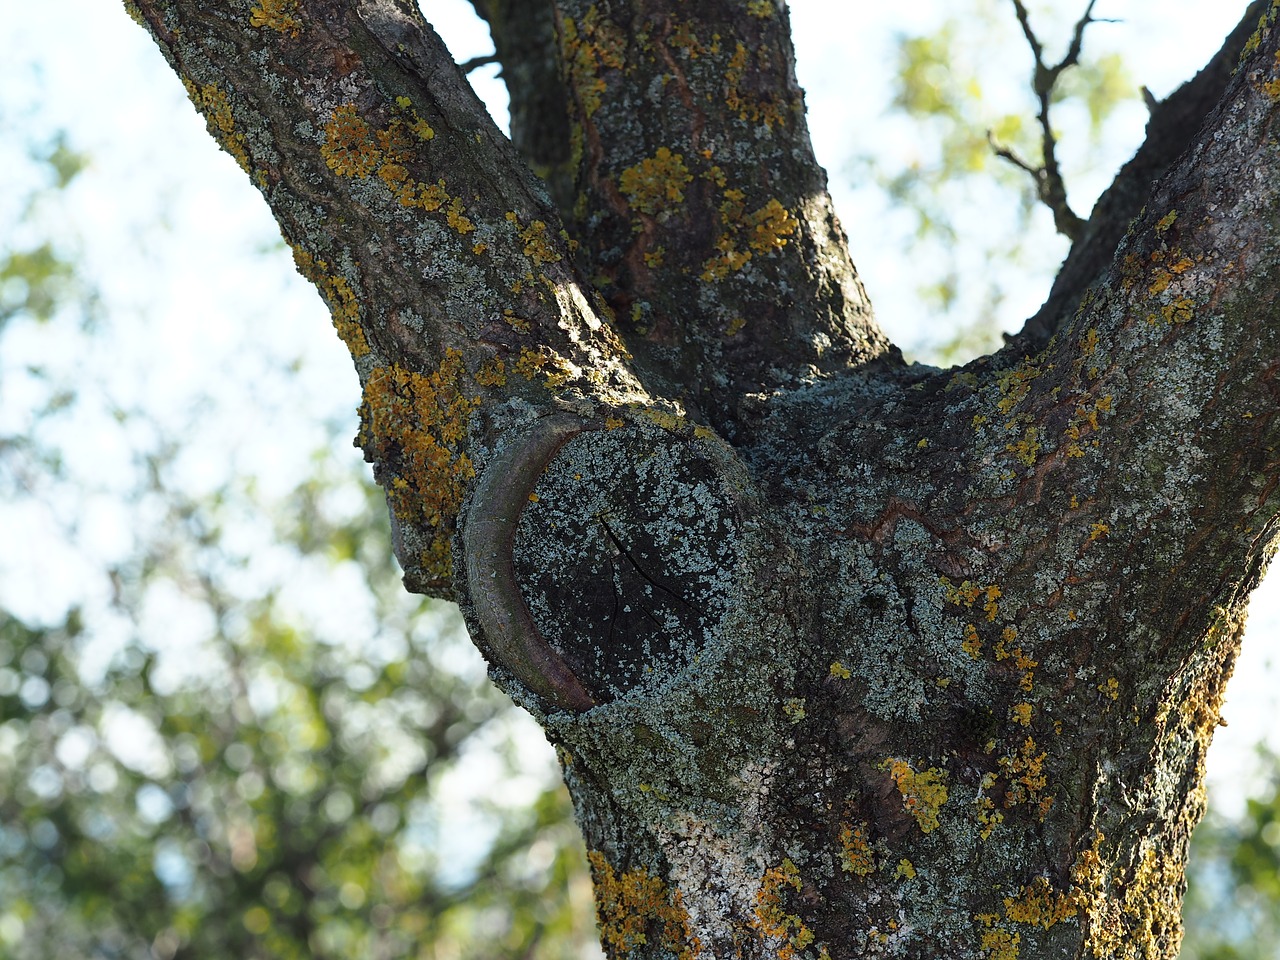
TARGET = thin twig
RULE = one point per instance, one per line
(475, 62)
(1050, 187)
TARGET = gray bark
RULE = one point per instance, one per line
(843, 657)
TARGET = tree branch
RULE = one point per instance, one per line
(709, 230)
(1154, 414)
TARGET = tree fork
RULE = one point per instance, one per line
(883, 660)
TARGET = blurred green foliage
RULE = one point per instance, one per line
(1232, 907)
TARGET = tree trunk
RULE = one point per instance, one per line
(842, 657)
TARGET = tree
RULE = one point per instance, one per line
(841, 655)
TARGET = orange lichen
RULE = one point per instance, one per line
(352, 148)
(967, 594)
(971, 644)
(923, 792)
(349, 149)
(771, 918)
(856, 856)
(277, 15)
(414, 427)
(635, 906)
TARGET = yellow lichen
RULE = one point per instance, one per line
(212, 102)
(771, 918)
(1133, 913)
(746, 234)
(492, 373)
(1040, 905)
(1024, 770)
(414, 427)
(589, 47)
(996, 942)
(923, 792)
(839, 671)
(277, 15)
(1014, 384)
(855, 850)
(341, 299)
(555, 370)
(793, 707)
(988, 816)
(1021, 713)
(770, 110)
(971, 644)
(906, 869)
(537, 242)
(655, 183)
(635, 906)
(1027, 449)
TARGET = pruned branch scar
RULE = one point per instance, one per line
(501, 496)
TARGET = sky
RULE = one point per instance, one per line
(191, 268)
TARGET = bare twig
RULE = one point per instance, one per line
(1050, 187)
(469, 65)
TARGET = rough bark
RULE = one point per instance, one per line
(842, 657)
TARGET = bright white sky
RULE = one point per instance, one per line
(190, 265)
